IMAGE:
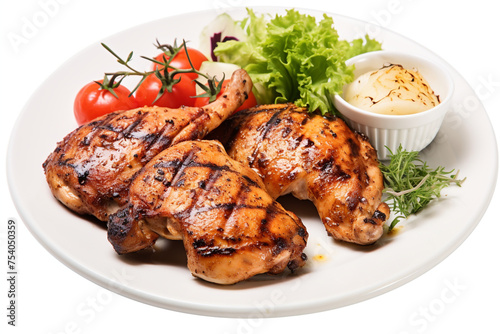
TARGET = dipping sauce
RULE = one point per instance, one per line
(391, 90)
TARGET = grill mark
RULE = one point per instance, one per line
(258, 110)
(193, 209)
(264, 223)
(206, 250)
(188, 162)
(178, 163)
(232, 207)
(104, 124)
(186, 213)
(95, 129)
(330, 170)
(249, 180)
(354, 147)
(234, 123)
(239, 196)
(82, 169)
(107, 124)
(267, 127)
(179, 167)
(161, 136)
(128, 130)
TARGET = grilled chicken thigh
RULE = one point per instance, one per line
(312, 157)
(91, 168)
(230, 226)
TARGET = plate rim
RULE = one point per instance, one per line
(200, 309)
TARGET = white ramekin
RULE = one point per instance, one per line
(414, 132)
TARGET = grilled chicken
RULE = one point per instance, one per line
(230, 226)
(312, 157)
(91, 168)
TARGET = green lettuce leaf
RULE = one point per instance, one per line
(294, 58)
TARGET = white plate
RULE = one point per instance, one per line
(336, 275)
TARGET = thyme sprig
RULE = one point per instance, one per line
(410, 184)
(167, 74)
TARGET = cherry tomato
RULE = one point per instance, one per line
(181, 61)
(92, 102)
(249, 102)
(181, 95)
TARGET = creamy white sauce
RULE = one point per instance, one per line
(391, 90)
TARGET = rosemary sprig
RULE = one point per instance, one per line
(410, 184)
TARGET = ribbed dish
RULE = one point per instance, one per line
(386, 132)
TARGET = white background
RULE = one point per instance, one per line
(53, 299)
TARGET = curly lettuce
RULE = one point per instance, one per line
(294, 58)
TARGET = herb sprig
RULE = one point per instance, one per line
(410, 184)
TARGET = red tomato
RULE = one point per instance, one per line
(181, 95)
(92, 102)
(181, 61)
(249, 102)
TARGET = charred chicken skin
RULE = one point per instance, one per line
(231, 228)
(312, 157)
(91, 168)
